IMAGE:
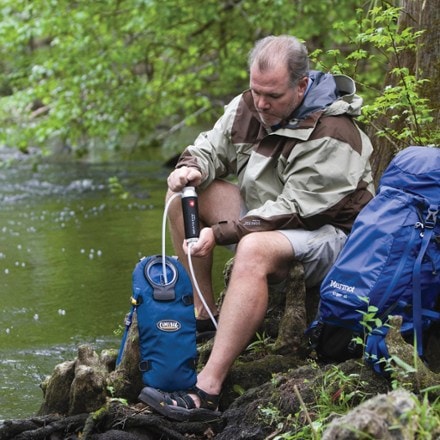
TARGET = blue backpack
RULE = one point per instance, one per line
(163, 302)
(390, 265)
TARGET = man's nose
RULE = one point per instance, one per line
(262, 103)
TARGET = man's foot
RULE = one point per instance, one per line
(205, 329)
(180, 405)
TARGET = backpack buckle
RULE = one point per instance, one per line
(431, 217)
(136, 301)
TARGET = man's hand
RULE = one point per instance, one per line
(203, 246)
(184, 176)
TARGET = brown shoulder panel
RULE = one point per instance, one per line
(341, 128)
(246, 128)
(344, 213)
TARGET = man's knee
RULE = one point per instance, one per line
(265, 251)
(220, 201)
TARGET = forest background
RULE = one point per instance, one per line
(147, 74)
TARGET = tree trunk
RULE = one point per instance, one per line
(424, 62)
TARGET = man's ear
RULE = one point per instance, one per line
(303, 83)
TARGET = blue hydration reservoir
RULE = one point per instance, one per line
(163, 302)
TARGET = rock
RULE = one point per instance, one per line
(77, 386)
(56, 389)
(88, 390)
(108, 359)
(296, 313)
(87, 356)
(126, 380)
(387, 417)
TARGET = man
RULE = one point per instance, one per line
(303, 174)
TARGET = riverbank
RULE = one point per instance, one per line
(68, 246)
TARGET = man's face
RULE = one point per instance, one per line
(274, 97)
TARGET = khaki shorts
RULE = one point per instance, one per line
(317, 250)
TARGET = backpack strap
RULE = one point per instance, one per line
(136, 299)
(376, 350)
(426, 235)
(431, 314)
(411, 243)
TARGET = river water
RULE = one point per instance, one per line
(68, 246)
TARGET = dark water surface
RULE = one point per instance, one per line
(67, 250)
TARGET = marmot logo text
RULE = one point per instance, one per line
(340, 286)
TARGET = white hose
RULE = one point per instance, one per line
(191, 268)
(164, 226)
(196, 285)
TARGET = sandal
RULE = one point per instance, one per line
(180, 406)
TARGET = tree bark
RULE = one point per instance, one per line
(424, 62)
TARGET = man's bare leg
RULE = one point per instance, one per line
(220, 201)
(260, 256)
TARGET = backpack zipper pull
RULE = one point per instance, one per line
(421, 226)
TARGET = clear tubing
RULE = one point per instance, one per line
(191, 268)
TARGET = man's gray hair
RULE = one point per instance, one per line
(270, 51)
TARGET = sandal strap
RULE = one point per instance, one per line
(167, 398)
(182, 399)
(207, 401)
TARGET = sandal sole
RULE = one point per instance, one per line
(154, 399)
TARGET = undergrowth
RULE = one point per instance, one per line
(339, 392)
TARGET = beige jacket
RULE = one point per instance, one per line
(311, 171)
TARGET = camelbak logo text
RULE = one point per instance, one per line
(340, 286)
(168, 325)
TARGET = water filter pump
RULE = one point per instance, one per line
(190, 214)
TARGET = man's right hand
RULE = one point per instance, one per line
(184, 176)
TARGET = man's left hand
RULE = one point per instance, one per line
(203, 246)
